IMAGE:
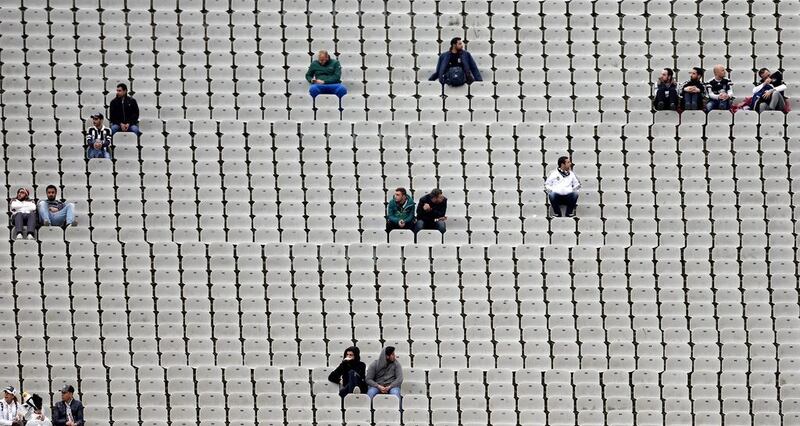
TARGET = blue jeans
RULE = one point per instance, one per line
(718, 104)
(568, 200)
(691, 101)
(62, 217)
(93, 152)
(372, 391)
(430, 224)
(132, 128)
(354, 380)
(337, 89)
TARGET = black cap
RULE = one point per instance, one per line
(67, 388)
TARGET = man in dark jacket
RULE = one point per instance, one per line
(666, 92)
(456, 66)
(325, 76)
(68, 411)
(350, 373)
(123, 112)
(53, 211)
(432, 211)
(694, 90)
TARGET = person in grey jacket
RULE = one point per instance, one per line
(385, 374)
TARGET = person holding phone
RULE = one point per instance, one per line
(350, 373)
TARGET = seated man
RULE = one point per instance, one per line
(666, 92)
(562, 187)
(456, 66)
(385, 374)
(325, 76)
(400, 213)
(98, 139)
(123, 112)
(432, 211)
(350, 373)
(769, 95)
(720, 90)
(55, 212)
(693, 91)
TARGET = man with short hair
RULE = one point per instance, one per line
(123, 112)
(456, 66)
(68, 411)
(432, 211)
(719, 90)
(325, 76)
(400, 212)
(562, 187)
(54, 211)
(385, 374)
(693, 91)
(666, 92)
(98, 139)
(769, 95)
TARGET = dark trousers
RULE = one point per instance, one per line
(692, 101)
(390, 226)
(666, 99)
(353, 381)
(23, 219)
(568, 200)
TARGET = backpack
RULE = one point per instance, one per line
(455, 76)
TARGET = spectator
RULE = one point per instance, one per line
(68, 411)
(456, 66)
(56, 212)
(693, 91)
(719, 90)
(432, 211)
(98, 139)
(666, 93)
(35, 414)
(123, 112)
(325, 76)
(350, 373)
(769, 95)
(385, 374)
(23, 214)
(562, 187)
(400, 213)
(10, 409)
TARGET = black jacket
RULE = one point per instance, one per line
(60, 413)
(340, 373)
(123, 110)
(437, 210)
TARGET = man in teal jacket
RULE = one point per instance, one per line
(325, 76)
(400, 213)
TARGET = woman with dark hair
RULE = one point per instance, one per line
(23, 214)
(350, 373)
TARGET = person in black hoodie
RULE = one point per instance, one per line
(123, 112)
(666, 92)
(432, 211)
(350, 373)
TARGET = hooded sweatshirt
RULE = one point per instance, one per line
(397, 213)
(383, 372)
(341, 372)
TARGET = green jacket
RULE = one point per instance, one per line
(330, 73)
(405, 213)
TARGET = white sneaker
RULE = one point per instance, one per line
(30, 236)
(19, 237)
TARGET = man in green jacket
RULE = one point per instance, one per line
(400, 213)
(325, 76)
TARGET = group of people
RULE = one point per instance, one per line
(430, 214)
(30, 411)
(27, 215)
(717, 93)
(384, 375)
(123, 113)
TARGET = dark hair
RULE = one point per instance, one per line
(699, 71)
(401, 190)
(436, 192)
(51, 186)
(669, 71)
(454, 41)
(762, 70)
(389, 350)
(122, 86)
(561, 160)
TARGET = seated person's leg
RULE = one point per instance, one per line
(441, 226)
(135, 129)
(711, 105)
(114, 128)
(776, 102)
(340, 90)
(19, 224)
(44, 213)
(30, 218)
(571, 201)
(69, 210)
(314, 90)
(371, 392)
(555, 203)
(419, 225)
(59, 218)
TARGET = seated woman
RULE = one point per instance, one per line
(23, 214)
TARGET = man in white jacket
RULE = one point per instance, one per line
(562, 187)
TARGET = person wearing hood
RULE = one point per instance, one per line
(10, 409)
(385, 374)
(400, 213)
(23, 214)
(350, 373)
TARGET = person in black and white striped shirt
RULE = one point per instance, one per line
(98, 139)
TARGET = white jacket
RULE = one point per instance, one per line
(9, 412)
(18, 206)
(558, 184)
(34, 421)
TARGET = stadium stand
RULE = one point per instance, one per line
(226, 257)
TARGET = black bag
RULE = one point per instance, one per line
(455, 76)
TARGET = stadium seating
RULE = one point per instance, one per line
(224, 259)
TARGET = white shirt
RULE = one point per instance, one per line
(8, 412)
(562, 185)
